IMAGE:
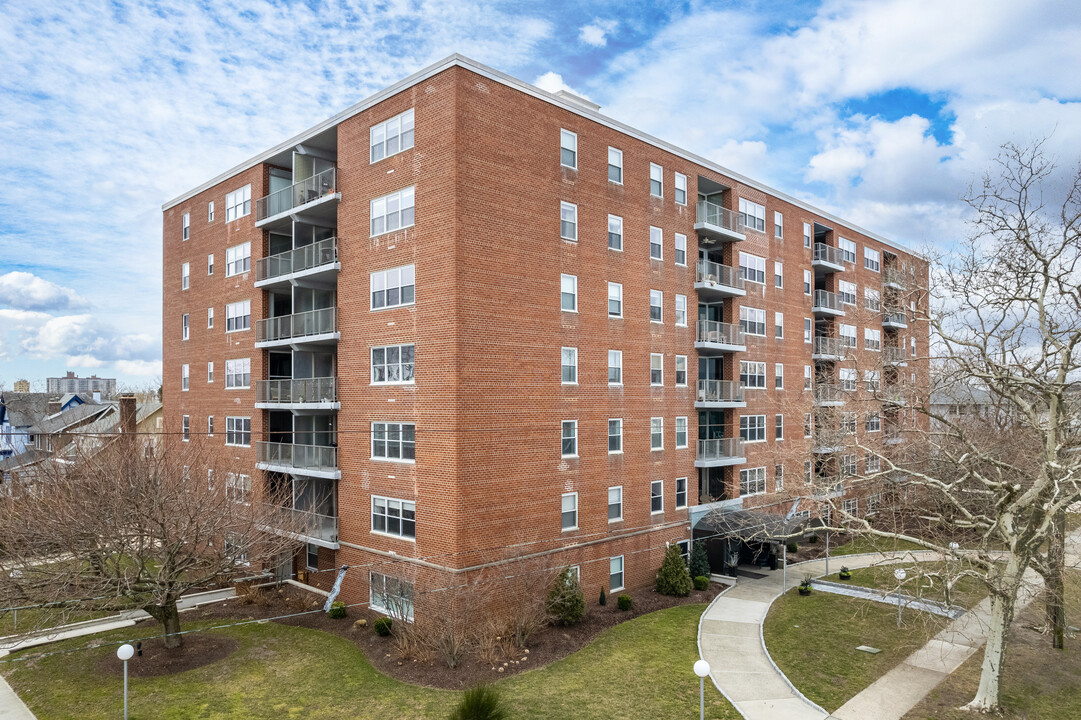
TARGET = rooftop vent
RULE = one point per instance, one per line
(577, 100)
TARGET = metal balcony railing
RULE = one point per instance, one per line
(308, 524)
(307, 390)
(824, 253)
(892, 394)
(324, 252)
(301, 457)
(893, 276)
(893, 355)
(713, 214)
(299, 325)
(297, 194)
(825, 300)
(719, 391)
(895, 317)
(711, 331)
(824, 345)
(824, 393)
(715, 273)
(720, 449)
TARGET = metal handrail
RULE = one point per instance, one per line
(893, 276)
(303, 457)
(715, 273)
(305, 390)
(893, 355)
(283, 327)
(897, 317)
(828, 254)
(825, 345)
(828, 300)
(310, 524)
(720, 448)
(719, 391)
(719, 332)
(713, 214)
(824, 392)
(323, 252)
(299, 193)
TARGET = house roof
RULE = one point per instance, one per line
(960, 394)
(71, 416)
(24, 409)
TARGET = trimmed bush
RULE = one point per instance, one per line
(565, 604)
(673, 578)
(701, 583)
(604, 598)
(480, 703)
(624, 602)
(699, 564)
(382, 626)
(792, 547)
(813, 539)
(337, 610)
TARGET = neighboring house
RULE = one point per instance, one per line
(18, 413)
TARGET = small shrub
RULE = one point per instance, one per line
(604, 598)
(792, 547)
(813, 539)
(673, 578)
(337, 610)
(701, 583)
(699, 563)
(565, 603)
(480, 703)
(624, 602)
(845, 573)
(382, 626)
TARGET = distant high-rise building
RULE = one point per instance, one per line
(71, 383)
(22, 386)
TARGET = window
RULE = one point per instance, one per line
(391, 136)
(848, 423)
(848, 335)
(806, 425)
(615, 165)
(393, 288)
(210, 430)
(808, 330)
(615, 299)
(681, 189)
(874, 464)
(393, 212)
(873, 422)
(851, 507)
(681, 311)
(569, 438)
(752, 268)
(238, 259)
(681, 249)
(185, 225)
(871, 299)
(778, 376)
(238, 316)
(184, 328)
(185, 427)
(238, 203)
(752, 215)
(210, 211)
(568, 293)
(656, 434)
(238, 373)
(807, 472)
(778, 427)
(656, 180)
(872, 339)
(393, 364)
(913, 342)
(210, 264)
(807, 235)
(615, 367)
(681, 371)
(184, 377)
(394, 441)
(615, 503)
(681, 493)
(569, 516)
(849, 465)
(569, 366)
(238, 487)
(238, 431)
(847, 291)
(752, 374)
(808, 279)
(752, 428)
(752, 481)
(656, 497)
(568, 149)
(778, 325)
(848, 377)
(210, 372)
(656, 369)
(807, 376)
(778, 274)
(872, 260)
(615, 574)
(778, 225)
(752, 321)
(615, 232)
(681, 432)
(848, 250)
(390, 596)
(568, 221)
(685, 550)
(394, 517)
(870, 379)
(185, 276)
(656, 301)
(655, 241)
(311, 556)
(615, 436)
(778, 478)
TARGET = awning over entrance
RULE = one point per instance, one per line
(750, 526)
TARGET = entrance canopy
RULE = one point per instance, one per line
(750, 526)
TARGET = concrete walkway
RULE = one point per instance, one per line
(887, 598)
(11, 707)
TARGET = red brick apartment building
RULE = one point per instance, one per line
(469, 321)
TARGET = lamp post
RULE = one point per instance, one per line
(900, 574)
(701, 669)
(124, 652)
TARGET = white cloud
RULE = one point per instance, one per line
(553, 83)
(26, 291)
(85, 341)
(596, 32)
(141, 368)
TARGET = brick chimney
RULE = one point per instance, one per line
(127, 414)
(53, 407)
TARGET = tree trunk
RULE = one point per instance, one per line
(168, 615)
(1054, 592)
(1003, 603)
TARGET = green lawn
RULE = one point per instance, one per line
(639, 669)
(44, 618)
(966, 593)
(870, 543)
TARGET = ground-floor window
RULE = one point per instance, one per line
(391, 596)
(312, 559)
(615, 574)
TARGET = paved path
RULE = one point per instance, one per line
(11, 707)
(881, 596)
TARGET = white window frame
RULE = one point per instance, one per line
(570, 353)
(656, 434)
(210, 264)
(564, 437)
(656, 497)
(401, 365)
(681, 428)
(618, 155)
(185, 377)
(656, 369)
(238, 316)
(238, 259)
(210, 372)
(404, 214)
(753, 215)
(185, 428)
(656, 302)
(572, 280)
(752, 321)
(808, 282)
(568, 210)
(185, 327)
(683, 492)
(563, 511)
(847, 335)
(778, 326)
(808, 330)
(615, 228)
(185, 226)
(778, 225)
(238, 203)
(681, 187)
(656, 175)
(778, 478)
(389, 504)
(618, 288)
(616, 355)
(778, 427)
(872, 259)
(210, 433)
(778, 376)
(872, 299)
(568, 141)
(752, 481)
(378, 595)
(210, 211)
(808, 377)
(619, 503)
(185, 276)
(848, 291)
(402, 126)
(752, 429)
(238, 374)
(847, 249)
(612, 572)
(681, 366)
(681, 310)
(778, 274)
(752, 268)
(872, 423)
(237, 429)
(385, 428)
(750, 369)
(808, 235)
(872, 339)
(403, 277)
(681, 250)
(656, 243)
(619, 427)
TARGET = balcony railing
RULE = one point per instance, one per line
(308, 524)
(307, 390)
(715, 273)
(827, 254)
(825, 300)
(892, 394)
(893, 355)
(299, 325)
(297, 194)
(895, 318)
(720, 449)
(828, 393)
(324, 252)
(720, 391)
(713, 214)
(721, 333)
(893, 276)
(833, 346)
(301, 457)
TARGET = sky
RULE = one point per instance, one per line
(881, 112)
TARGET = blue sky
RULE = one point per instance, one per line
(882, 112)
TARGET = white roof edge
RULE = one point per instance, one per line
(458, 60)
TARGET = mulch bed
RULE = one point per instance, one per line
(199, 649)
(546, 646)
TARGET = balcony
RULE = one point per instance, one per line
(893, 278)
(827, 487)
(304, 394)
(319, 461)
(894, 319)
(316, 196)
(716, 282)
(827, 257)
(317, 262)
(892, 437)
(894, 356)
(718, 452)
(715, 223)
(718, 337)
(312, 327)
(829, 348)
(892, 394)
(309, 527)
(827, 303)
(828, 395)
(718, 394)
